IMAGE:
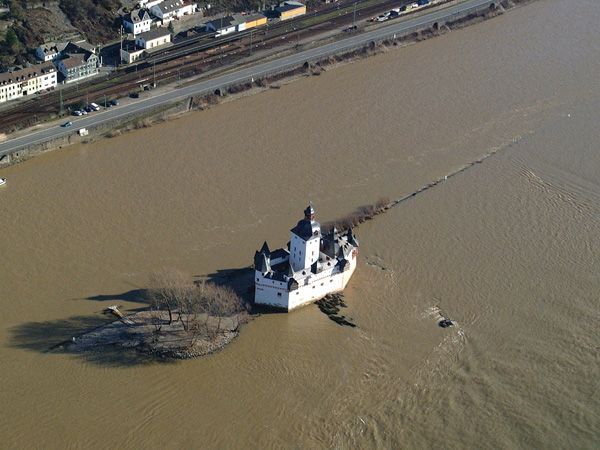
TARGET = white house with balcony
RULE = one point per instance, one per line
(312, 266)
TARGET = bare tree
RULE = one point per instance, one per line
(203, 309)
(167, 288)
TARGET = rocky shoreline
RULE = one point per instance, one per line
(142, 332)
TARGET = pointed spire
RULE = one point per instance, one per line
(265, 249)
(309, 212)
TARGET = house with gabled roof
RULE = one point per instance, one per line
(27, 81)
(137, 21)
(172, 9)
(49, 51)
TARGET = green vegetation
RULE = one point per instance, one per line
(11, 49)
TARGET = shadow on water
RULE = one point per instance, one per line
(134, 296)
(53, 336)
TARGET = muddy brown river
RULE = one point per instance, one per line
(509, 249)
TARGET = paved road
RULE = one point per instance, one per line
(242, 75)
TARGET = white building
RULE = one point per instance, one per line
(222, 26)
(131, 52)
(312, 267)
(149, 3)
(137, 21)
(76, 66)
(50, 51)
(153, 38)
(172, 9)
(27, 81)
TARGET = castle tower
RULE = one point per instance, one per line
(305, 241)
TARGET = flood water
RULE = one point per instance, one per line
(509, 249)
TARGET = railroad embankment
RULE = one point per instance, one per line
(274, 80)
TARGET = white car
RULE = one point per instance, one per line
(2, 181)
(77, 113)
(95, 106)
(382, 18)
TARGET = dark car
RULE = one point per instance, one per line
(67, 124)
(134, 95)
(114, 102)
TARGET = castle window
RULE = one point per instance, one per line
(257, 279)
(279, 294)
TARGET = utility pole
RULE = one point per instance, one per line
(105, 101)
(354, 17)
(251, 42)
(154, 72)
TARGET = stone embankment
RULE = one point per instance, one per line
(275, 80)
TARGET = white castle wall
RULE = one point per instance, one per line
(312, 288)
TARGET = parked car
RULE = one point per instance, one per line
(88, 108)
(77, 113)
(67, 124)
(134, 94)
(95, 106)
(114, 102)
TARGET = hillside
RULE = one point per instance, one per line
(35, 22)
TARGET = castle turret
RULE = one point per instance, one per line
(305, 241)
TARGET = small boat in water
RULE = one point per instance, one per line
(2, 181)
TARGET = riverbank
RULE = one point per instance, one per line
(232, 92)
(507, 250)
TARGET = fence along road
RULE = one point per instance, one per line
(243, 75)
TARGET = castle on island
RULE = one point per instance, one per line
(312, 266)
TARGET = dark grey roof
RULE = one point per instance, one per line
(225, 22)
(137, 15)
(265, 249)
(309, 211)
(154, 34)
(261, 262)
(73, 60)
(24, 74)
(250, 17)
(306, 229)
(279, 253)
(284, 8)
(351, 238)
(292, 284)
(83, 45)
